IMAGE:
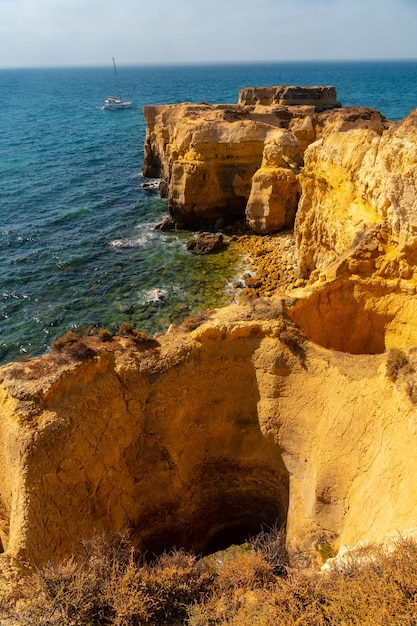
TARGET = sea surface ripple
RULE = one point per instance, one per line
(78, 246)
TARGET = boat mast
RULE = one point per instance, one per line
(117, 79)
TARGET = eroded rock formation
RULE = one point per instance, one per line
(360, 201)
(299, 408)
(274, 193)
(199, 441)
(220, 163)
(321, 97)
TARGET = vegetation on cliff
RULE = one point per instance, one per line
(251, 585)
(294, 406)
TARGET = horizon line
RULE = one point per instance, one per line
(211, 63)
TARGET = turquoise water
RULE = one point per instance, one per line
(77, 239)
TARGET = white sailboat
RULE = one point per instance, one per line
(116, 102)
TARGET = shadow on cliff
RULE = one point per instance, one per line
(165, 443)
(223, 479)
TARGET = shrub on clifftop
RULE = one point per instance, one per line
(72, 345)
(113, 585)
(139, 337)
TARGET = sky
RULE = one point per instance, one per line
(49, 33)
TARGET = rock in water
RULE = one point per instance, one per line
(206, 243)
(167, 224)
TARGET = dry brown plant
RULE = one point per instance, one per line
(111, 584)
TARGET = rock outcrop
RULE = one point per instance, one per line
(296, 409)
(206, 157)
(320, 97)
(359, 202)
(274, 193)
(220, 163)
(206, 243)
(199, 441)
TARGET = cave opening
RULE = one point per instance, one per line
(236, 533)
(228, 502)
(247, 499)
(222, 478)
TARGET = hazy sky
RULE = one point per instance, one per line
(90, 32)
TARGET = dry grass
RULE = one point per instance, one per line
(138, 337)
(111, 584)
(401, 368)
(380, 590)
(396, 361)
(82, 345)
(254, 586)
(72, 345)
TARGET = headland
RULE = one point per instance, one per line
(294, 406)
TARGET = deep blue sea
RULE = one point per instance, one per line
(77, 241)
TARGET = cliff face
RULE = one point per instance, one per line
(359, 200)
(220, 163)
(206, 157)
(199, 441)
(298, 409)
(322, 97)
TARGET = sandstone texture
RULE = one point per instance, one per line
(296, 405)
(200, 440)
(274, 193)
(221, 163)
(321, 97)
(359, 200)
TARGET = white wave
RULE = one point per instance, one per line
(116, 243)
(150, 183)
(156, 295)
(141, 240)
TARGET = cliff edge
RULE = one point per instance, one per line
(297, 409)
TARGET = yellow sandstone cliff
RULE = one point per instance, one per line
(298, 408)
(219, 163)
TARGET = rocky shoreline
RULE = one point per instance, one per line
(273, 261)
(294, 406)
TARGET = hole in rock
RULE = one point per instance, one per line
(228, 502)
(233, 534)
(217, 479)
(248, 499)
(344, 317)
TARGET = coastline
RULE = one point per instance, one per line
(270, 264)
(241, 418)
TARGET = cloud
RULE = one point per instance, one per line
(89, 32)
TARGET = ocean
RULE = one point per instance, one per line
(78, 245)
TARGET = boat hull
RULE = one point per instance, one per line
(114, 104)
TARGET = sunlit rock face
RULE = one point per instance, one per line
(358, 206)
(222, 163)
(274, 194)
(164, 442)
(298, 409)
(321, 97)
(201, 440)
(206, 156)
